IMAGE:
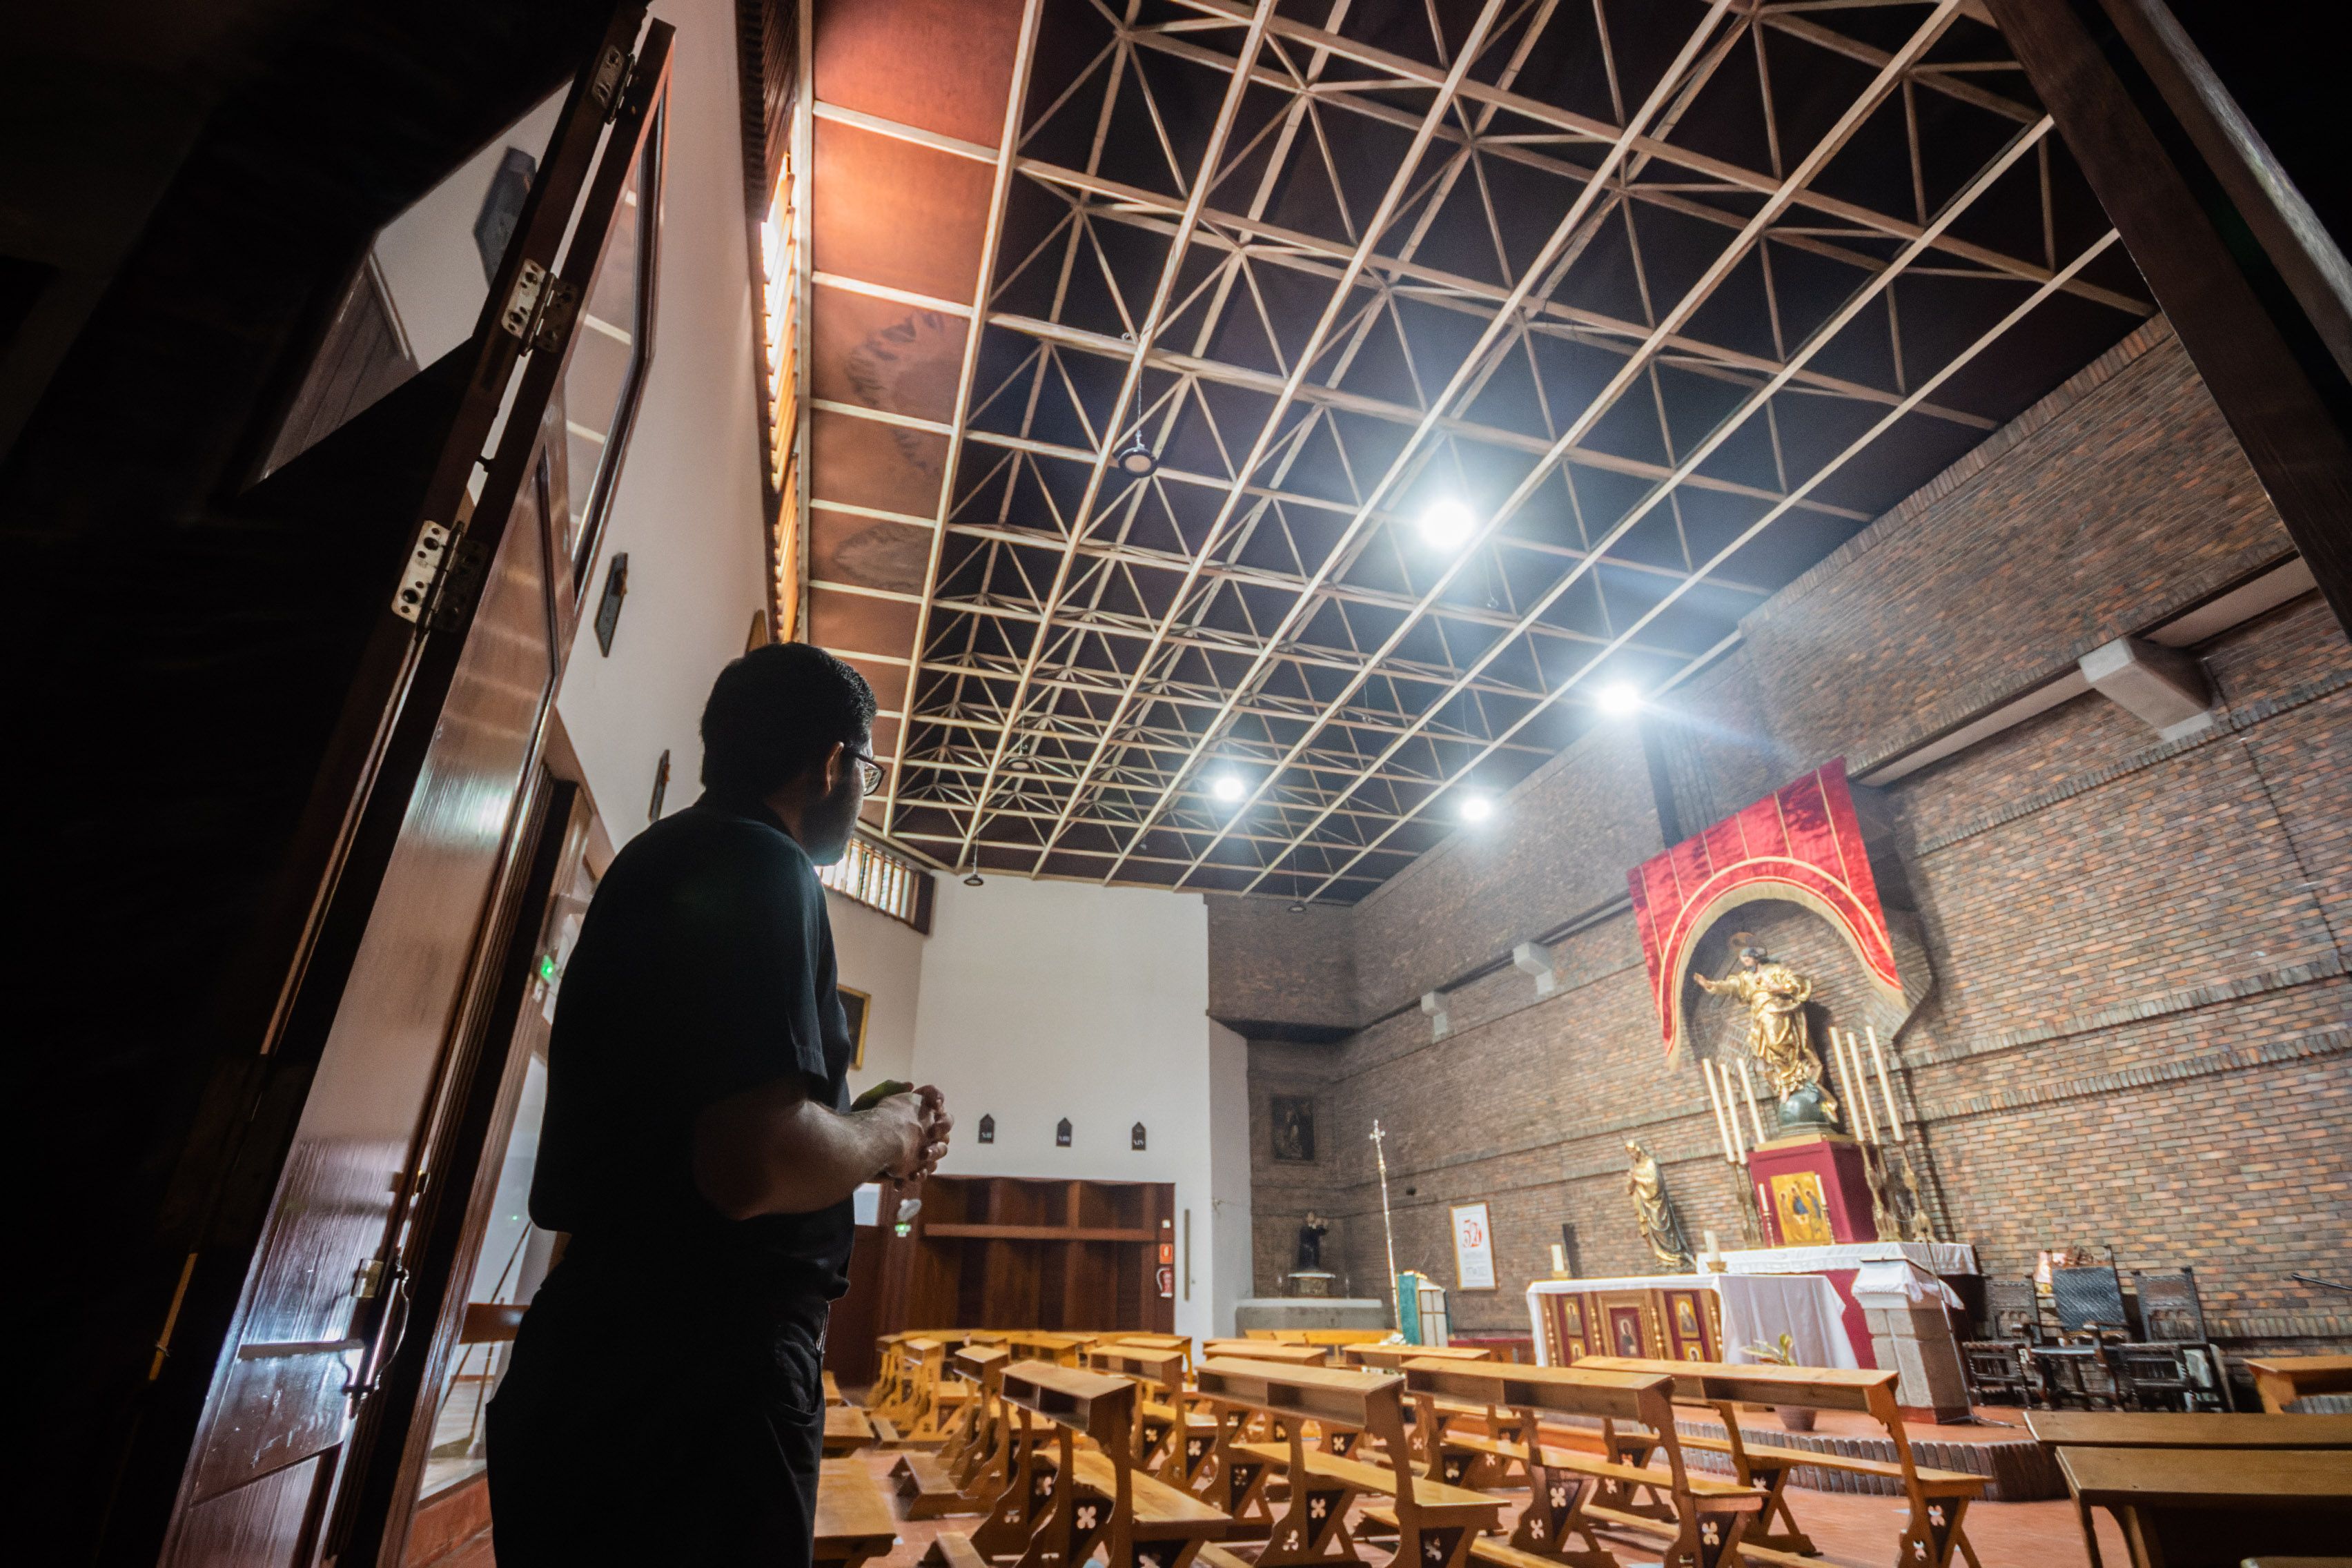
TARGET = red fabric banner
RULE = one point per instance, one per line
(1801, 843)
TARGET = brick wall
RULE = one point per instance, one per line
(2140, 1034)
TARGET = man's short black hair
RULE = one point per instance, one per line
(774, 712)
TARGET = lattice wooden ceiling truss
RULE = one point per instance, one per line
(1659, 301)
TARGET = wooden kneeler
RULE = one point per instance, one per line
(1704, 1517)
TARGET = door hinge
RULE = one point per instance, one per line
(540, 308)
(611, 73)
(442, 579)
(367, 1279)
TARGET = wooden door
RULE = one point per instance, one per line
(401, 971)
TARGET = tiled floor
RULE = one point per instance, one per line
(1851, 1531)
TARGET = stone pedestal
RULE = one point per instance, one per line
(1812, 1191)
(1904, 1307)
(1303, 1312)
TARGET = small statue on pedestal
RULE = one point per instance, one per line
(1662, 1228)
(1777, 1036)
(1310, 1242)
(1307, 1275)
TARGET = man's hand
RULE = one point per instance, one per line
(918, 1124)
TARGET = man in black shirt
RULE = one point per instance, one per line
(663, 1403)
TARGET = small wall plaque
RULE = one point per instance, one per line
(1061, 1134)
(608, 606)
(661, 789)
(1135, 1139)
(987, 1128)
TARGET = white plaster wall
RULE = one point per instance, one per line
(688, 508)
(883, 958)
(1042, 1000)
(1229, 1175)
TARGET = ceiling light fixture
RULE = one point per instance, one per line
(1135, 460)
(1227, 787)
(1447, 524)
(1618, 698)
(1476, 808)
(1298, 906)
(973, 878)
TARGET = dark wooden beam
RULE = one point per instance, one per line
(2234, 315)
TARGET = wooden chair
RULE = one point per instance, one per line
(1708, 1515)
(1996, 1372)
(2172, 1314)
(2012, 1310)
(1938, 1499)
(1073, 1500)
(1434, 1522)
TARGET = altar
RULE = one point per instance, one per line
(1689, 1317)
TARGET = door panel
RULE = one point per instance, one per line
(319, 1289)
(268, 1524)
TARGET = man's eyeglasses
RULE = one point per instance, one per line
(869, 772)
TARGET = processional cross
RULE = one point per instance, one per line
(1396, 1282)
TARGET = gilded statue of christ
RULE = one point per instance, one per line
(1775, 996)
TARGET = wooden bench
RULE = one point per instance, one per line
(1434, 1522)
(1707, 1515)
(833, 1394)
(853, 1518)
(1938, 1499)
(1065, 1502)
(2282, 1380)
(846, 1430)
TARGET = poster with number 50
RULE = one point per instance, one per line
(1474, 1249)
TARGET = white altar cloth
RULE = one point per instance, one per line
(1758, 1309)
(1934, 1256)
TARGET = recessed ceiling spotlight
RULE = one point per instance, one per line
(1619, 699)
(1447, 524)
(1135, 460)
(1228, 786)
(1476, 808)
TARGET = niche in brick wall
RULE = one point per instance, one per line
(1844, 994)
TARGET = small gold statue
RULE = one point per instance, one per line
(1662, 1228)
(1777, 1036)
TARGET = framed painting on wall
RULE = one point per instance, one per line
(1293, 1116)
(857, 1005)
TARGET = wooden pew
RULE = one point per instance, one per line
(968, 1471)
(853, 1518)
(1072, 1501)
(1707, 1514)
(1181, 1343)
(1163, 1421)
(2282, 1380)
(1434, 1523)
(2186, 1429)
(1390, 1358)
(846, 1430)
(1938, 1499)
(1273, 1351)
(2211, 1507)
